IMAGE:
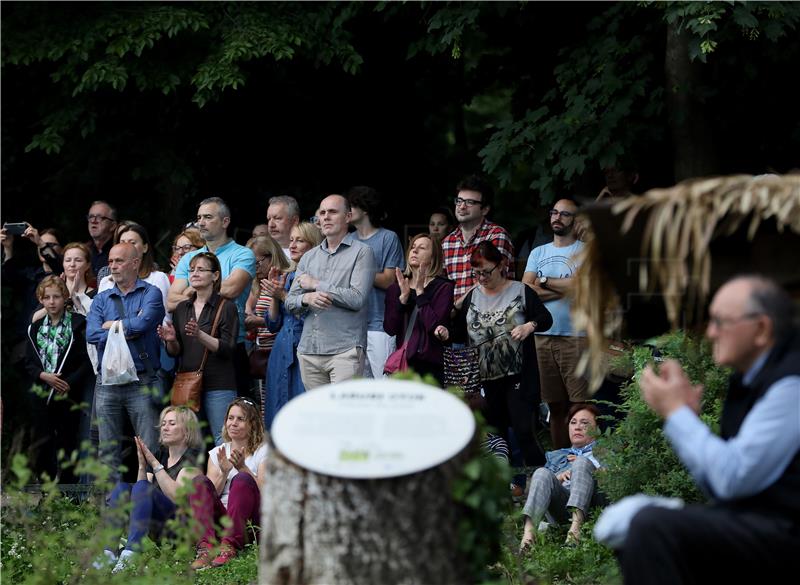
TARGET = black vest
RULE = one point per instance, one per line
(783, 496)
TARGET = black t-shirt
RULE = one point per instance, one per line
(190, 458)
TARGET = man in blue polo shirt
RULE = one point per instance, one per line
(143, 309)
(238, 264)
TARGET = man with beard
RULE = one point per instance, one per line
(549, 272)
(472, 204)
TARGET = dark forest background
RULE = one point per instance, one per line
(153, 106)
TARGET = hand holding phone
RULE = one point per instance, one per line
(15, 229)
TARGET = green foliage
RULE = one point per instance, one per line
(636, 454)
(48, 539)
(608, 99)
(712, 23)
(482, 489)
(162, 48)
(605, 99)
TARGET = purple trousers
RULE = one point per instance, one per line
(244, 503)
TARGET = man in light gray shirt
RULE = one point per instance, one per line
(331, 289)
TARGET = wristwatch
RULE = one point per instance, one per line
(543, 282)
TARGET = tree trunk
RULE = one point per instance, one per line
(694, 154)
(326, 530)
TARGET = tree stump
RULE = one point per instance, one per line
(318, 529)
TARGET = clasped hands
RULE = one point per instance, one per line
(144, 455)
(315, 299)
(670, 389)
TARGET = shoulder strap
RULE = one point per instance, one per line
(213, 331)
(411, 321)
(137, 341)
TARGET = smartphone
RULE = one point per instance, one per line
(15, 229)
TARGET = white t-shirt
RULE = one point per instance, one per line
(158, 279)
(252, 462)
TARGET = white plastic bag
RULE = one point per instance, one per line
(117, 367)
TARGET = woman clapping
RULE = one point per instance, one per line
(189, 337)
(421, 288)
(231, 486)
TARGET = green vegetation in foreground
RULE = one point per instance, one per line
(51, 540)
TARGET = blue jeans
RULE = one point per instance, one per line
(112, 403)
(215, 404)
(150, 508)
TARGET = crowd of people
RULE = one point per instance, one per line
(299, 306)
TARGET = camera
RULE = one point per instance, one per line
(15, 229)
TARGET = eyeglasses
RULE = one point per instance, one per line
(199, 269)
(722, 322)
(264, 257)
(184, 249)
(467, 202)
(562, 214)
(98, 218)
(483, 273)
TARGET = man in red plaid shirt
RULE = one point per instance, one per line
(473, 203)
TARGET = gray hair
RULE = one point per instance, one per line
(768, 298)
(292, 207)
(224, 210)
(112, 211)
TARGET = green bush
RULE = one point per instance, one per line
(49, 539)
(636, 455)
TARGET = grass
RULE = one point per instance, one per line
(550, 561)
(56, 541)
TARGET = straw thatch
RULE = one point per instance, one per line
(680, 225)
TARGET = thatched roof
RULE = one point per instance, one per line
(653, 261)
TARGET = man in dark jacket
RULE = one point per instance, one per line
(751, 528)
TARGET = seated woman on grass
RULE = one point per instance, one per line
(566, 482)
(231, 486)
(155, 493)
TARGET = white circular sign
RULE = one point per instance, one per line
(369, 429)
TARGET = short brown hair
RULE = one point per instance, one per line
(191, 234)
(577, 407)
(214, 261)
